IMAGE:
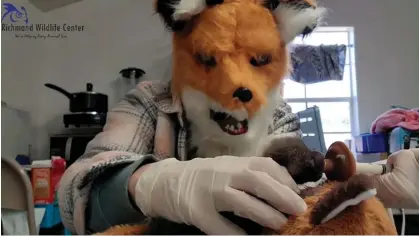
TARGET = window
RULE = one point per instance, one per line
(335, 99)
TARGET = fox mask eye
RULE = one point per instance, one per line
(208, 61)
(261, 60)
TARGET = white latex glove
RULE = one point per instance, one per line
(400, 187)
(195, 191)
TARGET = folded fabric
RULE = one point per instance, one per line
(407, 119)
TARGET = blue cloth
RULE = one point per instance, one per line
(314, 64)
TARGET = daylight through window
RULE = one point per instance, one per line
(335, 99)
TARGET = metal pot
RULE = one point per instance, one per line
(87, 101)
(132, 72)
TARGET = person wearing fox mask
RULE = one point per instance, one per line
(190, 149)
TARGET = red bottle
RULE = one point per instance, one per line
(57, 171)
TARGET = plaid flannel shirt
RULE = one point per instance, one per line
(146, 121)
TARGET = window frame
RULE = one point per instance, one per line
(352, 99)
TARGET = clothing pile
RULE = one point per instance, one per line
(396, 117)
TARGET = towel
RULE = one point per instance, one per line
(315, 64)
(404, 118)
(15, 222)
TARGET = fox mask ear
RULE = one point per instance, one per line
(176, 13)
(294, 17)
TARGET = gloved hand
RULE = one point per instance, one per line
(400, 187)
(195, 191)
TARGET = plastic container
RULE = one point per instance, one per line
(57, 171)
(67, 232)
(401, 138)
(43, 192)
(52, 215)
(371, 143)
(371, 157)
(46, 176)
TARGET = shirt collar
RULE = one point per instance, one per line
(180, 112)
(177, 107)
(165, 101)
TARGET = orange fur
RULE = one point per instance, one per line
(232, 32)
(126, 230)
(367, 218)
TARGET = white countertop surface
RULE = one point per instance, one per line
(406, 211)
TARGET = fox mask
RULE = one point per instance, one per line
(230, 56)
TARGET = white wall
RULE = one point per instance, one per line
(116, 35)
(387, 52)
(127, 33)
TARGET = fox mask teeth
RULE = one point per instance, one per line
(228, 123)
